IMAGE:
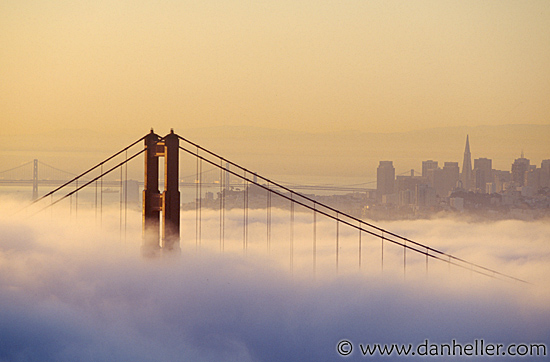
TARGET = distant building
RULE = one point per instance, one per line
(532, 177)
(451, 176)
(483, 168)
(490, 188)
(466, 175)
(428, 165)
(519, 168)
(436, 181)
(527, 191)
(406, 188)
(545, 173)
(227, 177)
(385, 178)
(406, 197)
(408, 182)
(390, 199)
(502, 180)
(425, 196)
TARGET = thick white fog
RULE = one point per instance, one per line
(78, 290)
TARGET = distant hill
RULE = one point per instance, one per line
(357, 154)
(280, 153)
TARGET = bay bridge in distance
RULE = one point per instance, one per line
(38, 174)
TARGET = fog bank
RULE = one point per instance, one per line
(74, 291)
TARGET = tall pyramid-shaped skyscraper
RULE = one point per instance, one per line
(466, 175)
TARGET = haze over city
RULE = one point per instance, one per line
(310, 93)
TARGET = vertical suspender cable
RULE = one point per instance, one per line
(96, 203)
(120, 204)
(382, 247)
(200, 200)
(359, 245)
(268, 226)
(197, 204)
(126, 195)
(314, 239)
(244, 213)
(221, 205)
(226, 187)
(76, 202)
(337, 239)
(427, 253)
(291, 234)
(101, 198)
(405, 259)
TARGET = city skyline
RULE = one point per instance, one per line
(426, 165)
(349, 156)
(521, 192)
(467, 173)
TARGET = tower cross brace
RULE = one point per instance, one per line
(155, 202)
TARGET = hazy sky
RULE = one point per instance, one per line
(301, 65)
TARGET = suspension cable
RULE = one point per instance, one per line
(88, 171)
(17, 167)
(56, 169)
(452, 260)
(91, 181)
(457, 260)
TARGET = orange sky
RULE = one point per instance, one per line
(381, 66)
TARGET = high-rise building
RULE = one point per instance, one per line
(532, 177)
(451, 175)
(425, 196)
(490, 188)
(436, 181)
(519, 168)
(483, 168)
(502, 180)
(466, 175)
(403, 183)
(545, 173)
(385, 178)
(405, 186)
(428, 165)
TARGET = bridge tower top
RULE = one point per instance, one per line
(153, 201)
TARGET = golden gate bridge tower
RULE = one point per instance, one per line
(155, 202)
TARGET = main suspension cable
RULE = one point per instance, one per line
(452, 260)
(87, 171)
(91, 181)
(441, 253)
